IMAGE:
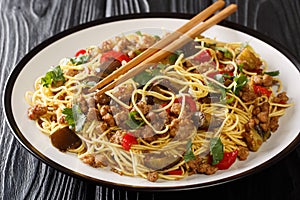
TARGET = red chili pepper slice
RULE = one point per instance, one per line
(80, 52)
(228, 160)
(128, 140)
(114, 55)
(260, 90)
(221, 66)
(189, 100)
(175, 172)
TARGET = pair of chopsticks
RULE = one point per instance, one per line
(164, 47)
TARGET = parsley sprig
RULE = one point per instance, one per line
(79, 60)
(216, 150)
(241, 81)
(133, 120)
(189, 154)
(75, 117)
(146, 75)
(53, 76)
(272, 73)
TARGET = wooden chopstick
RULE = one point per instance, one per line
(162, 43)
(171, 47)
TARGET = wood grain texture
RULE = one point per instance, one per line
(24, 24)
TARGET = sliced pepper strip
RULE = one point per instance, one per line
(175, 172)
(228, 160)
(80, 52)
(107, 56)
(128, 140)
(260, 90)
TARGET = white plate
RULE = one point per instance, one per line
(49, 53)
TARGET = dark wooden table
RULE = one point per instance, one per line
(26, 23)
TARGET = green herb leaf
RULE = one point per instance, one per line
(189, 154)
(226, 75)
(69, 116)
(230, 100)
(225, 51)
(220, 90)
(143, 77)
(138, 52)
(174, 56)
(53, 76)
(139, 33)
(223, 95)
(216, 150)
(241, 81)
(81, 59)
(272, 73)
(75, 117)
(79, 117)
(132, 121)
(240, 67)
(219, 78)
(156, 37)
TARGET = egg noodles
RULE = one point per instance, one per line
(197, 111)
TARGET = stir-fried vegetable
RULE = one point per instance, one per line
(189, 155)
(216, 150)
(74, 117)
(228, 160)
(128, 140)
(110, 55)
(133, 121)
(53, 77)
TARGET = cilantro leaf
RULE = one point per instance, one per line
(81, 59)
(240, 67)
(216, 150)
(189, 154)
(143, 77)
(230, 100)
(74, 117)
(225, 51)
(139, 33)
(219, 78)
(241, 81)
(69, 116)
(223, 95)
(272, 73)
(156, 37)
(132, 121)
(146, 75)
(53, 76)
(79, 117)
(174, 56)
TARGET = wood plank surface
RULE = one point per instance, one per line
(26, 23)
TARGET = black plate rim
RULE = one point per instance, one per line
(6, 100)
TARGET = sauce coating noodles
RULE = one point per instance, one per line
(194, 112)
